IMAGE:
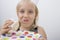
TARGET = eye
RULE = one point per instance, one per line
(30, 11)
(21, 11)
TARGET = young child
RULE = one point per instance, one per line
(27, 13)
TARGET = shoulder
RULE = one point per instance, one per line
(42, 31)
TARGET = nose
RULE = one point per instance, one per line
(25, 14)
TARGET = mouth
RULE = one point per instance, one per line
(26, 20)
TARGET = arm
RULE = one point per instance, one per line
(41, 31)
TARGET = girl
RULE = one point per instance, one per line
(27, 13)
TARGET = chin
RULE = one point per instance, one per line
(26, 22)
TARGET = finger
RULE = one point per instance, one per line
(6, 26)
(5, 30)
(8, 23)
(38, 38)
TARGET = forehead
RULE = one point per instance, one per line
(26, 5)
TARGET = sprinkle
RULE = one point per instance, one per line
(3, 34)
(6, 38)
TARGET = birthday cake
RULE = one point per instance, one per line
(26, 35)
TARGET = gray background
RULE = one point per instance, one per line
(49, 15)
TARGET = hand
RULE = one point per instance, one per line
(42, 38)
(5, 28)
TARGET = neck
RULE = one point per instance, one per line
(25, 28)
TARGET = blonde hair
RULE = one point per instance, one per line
(36, 10)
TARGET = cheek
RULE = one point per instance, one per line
(32, 17)
(19, 16)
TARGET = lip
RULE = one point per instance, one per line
(26, 20)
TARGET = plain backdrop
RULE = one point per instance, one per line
(49, 15)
